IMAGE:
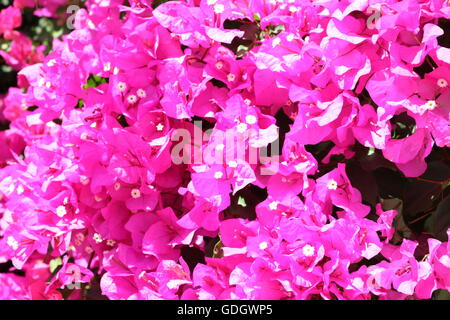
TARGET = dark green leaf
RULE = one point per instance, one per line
(364, 181)
(442, 219)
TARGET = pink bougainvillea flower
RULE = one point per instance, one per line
(409, 153)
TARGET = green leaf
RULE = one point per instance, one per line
(241, 202)
(274, 30)
(94, 81)
(418, 197)
(55, 263)
(441, 294)
(80, 104)
(364, 181)
(217, 251)
(442, 219)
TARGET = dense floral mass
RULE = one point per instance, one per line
(217, 149)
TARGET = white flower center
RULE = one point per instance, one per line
(251, 119)
(242, 127)
(61, 211)
(232, 164)
(308, 250)
(231, 77)
(141, 93)
(273, 205)
(136, 193)
(219, 8)
(132, 98)
(430, 105)
(332, 184)
(442, 83)
(97, 238)
(122, 86)
(159, 127)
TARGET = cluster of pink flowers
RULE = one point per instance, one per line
(90, 190)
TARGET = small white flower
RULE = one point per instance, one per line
(430, 105)
(251, 119)
(332, 184)
(131, 98)
(97, 238)
(442, 83)
(308, 250)
(219, 65)
(241, 127)
(231, 77)
(232, 164)
(219, 8)
(61, 211)
(273, 205)
(218, 175)
(122, 86)
(135, 193)
(141, 93)
(160, 127)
